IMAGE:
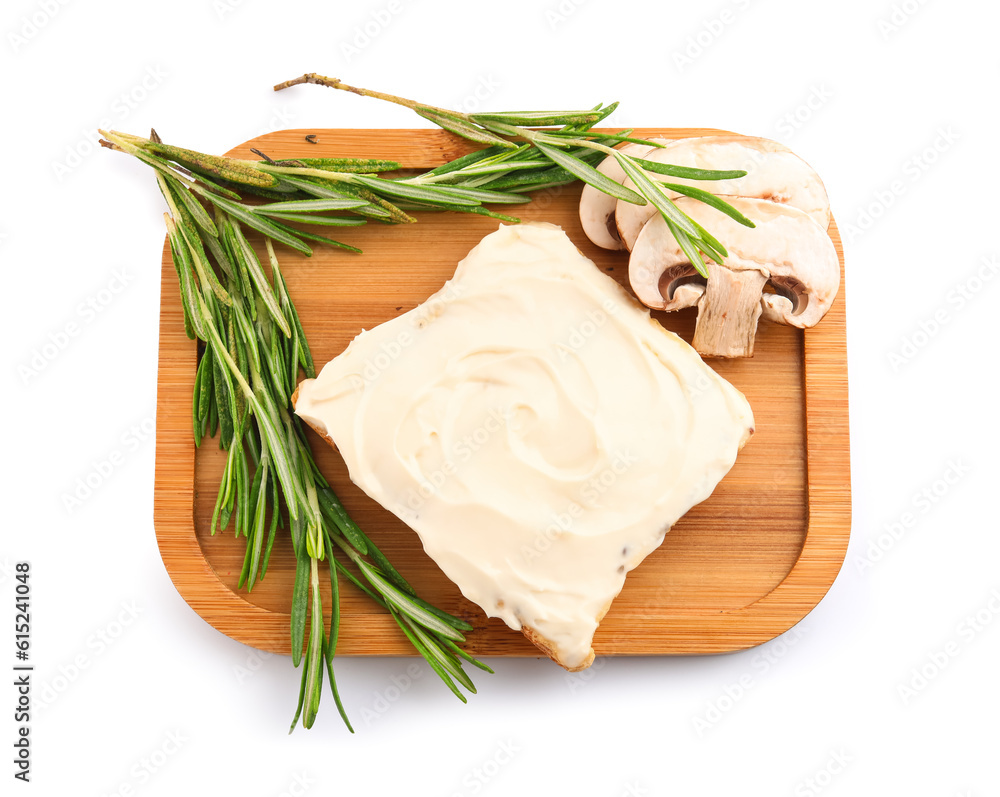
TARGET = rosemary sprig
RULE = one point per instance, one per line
(253, 350)
(504, 131)
(306, 191)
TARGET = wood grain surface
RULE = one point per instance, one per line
(736, 571)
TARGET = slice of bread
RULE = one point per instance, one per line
(535, 427)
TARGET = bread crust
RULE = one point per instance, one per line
(546, 647)
(314, 427)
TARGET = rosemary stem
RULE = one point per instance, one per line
(305, 171)
(346, 547)
(337, 83)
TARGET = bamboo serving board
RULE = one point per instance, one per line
(736, 571)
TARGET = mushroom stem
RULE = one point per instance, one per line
(728, 312)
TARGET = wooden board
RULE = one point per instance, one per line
(737, 570)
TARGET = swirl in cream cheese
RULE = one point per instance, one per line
(535, 427)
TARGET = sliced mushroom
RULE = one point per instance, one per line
(597, 208)
(773, 172)
(787, 249)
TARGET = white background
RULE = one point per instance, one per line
(893, 103)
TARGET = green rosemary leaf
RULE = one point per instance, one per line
(446, 658)
(594, 156)
(202, 266)
(234, 255)
(491, 214)
(555, 182)
(258, 223)
(227, 510)
(401, 601)
(315, 544)
(305, 356)
(275, 359)
(292, 362)
(217, 248)
(363, 208)
(385, 566)
(504, 129)
(259, 280)
(457, 195)
(308, 218)
(224, 400)
(539, 118)
(251, 441)
(455, 622)
(540, 179)
(334, 615)
(407, 191)
(241, 474)
(710, 245)
(194, 208)
(431, 659)
(279, 193)
(278, 280)
(259, 520)
(310, 206)
(689, 249)
(204, 379)
(455, 649)
(284, 467)
(217, 187)
(320, 239)
(314, 654)
(603, 113)
(590, 175)
(179, 251)
(196, 416)
(220, 499)
(186, 226)
(249, 339)
(333, 688)
(265, 413)
(237, 355)
(159, 164)
(689, 172)
(477, 210)
(353, 579)
(302, 695)
(459, 127)
(213, 418)
(654, 195)
(608, 139)
(231, 170)
(188, 323)
(349, 165)
(274, 527)
(300, 604)
(530, 181)
(377, 206)
(177, 171)
(334, 511)
(493, 168)
(466, 160)
(306, 451)
(712, 200)
(241, 582)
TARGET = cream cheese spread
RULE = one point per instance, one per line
(537, 429)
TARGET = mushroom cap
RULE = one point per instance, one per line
(597, 208)
(773, 172)
(787, 246)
